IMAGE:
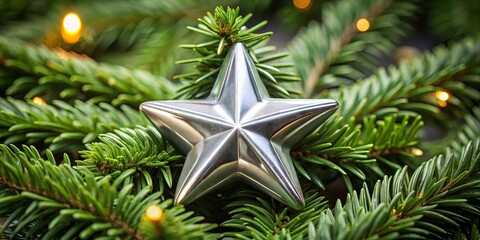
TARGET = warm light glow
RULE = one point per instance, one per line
(363, 24)
(442, 103)
(302, 4)
(71, 28)
(417, 152)
(39, 101)
(154, 213)
(442, 95)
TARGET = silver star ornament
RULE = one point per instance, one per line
(238, 132)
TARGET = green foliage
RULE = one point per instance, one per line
(225, 28)
(345, 54)
(38, 202)
(39, 71)
(356, 150)
(131, 156)
(256, 218)
(408, 88)
(177, 224)
(444, 18)
(61, 126)
(441, 192)
(469, 131)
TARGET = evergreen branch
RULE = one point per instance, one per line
(468, 233)
(356, 150)
(41, 203)
(100, 16)
(59, 74)
(345, 54)
(441, 192)
(256, 218)
(139, 156)
(155, 52)
(408, 88)
(443, 18)
(469, 131)
(224, 28)
(81, 200)
(62, 126)
(177, 224)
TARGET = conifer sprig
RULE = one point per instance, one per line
(224, 28)
(441, 192)
(334, 52)
(37, 201)
(408, 88)
(256, 218)
(139, 156)
(56, 74)
(357, 150)
(61, 126)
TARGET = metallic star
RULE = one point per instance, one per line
(238, 132)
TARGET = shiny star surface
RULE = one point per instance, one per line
(238, 132)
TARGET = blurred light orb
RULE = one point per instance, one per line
(302, 4)
(154, 213)
(363, 24)
(442, 103)
(442, 95)
(39, 101)
(71, 28)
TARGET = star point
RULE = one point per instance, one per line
(238, 132)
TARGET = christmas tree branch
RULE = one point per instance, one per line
(441, 192)
(86, 201)
(62, 126)
(358, 150)
(224, 28)
(52, 74)
(256, 218)
(98, 16)
(469, 131)
(83, 206)
(139, 156)
(442, 12)
(345, 53)
(408, 88)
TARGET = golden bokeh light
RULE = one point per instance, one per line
(363, 24)
(71, 28)
(154, 213)
(442, 103)
(39, 101)
(417, 152)
(302, 4)
(442, 95)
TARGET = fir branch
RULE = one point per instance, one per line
(155, 52)
(83, 206)
(469, 131)
(443, 18)
(177, 224)
(81, 199)
(345, 54)
(224, 28)
(59, 74)
(100, 16)
(408, 88)
(356, 150)
(62, 126)
(256, 218)
(138, 156)
(441, 192)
